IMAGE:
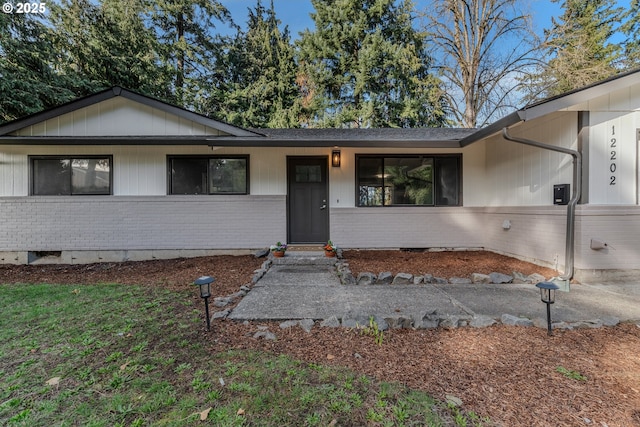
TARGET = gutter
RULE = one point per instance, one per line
(571, 207)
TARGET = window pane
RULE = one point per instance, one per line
(370, 183)
(188, 176)
(308, 173)
(51, 177)
(408, 180)
(91, 176)
(228, 176)
(448, 181)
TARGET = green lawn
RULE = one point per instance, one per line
(111, 355)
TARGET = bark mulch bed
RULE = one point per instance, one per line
(509, 374)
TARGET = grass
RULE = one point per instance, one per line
(111, 355)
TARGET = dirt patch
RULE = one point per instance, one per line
(507, 373)
(440, 264)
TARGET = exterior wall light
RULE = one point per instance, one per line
(335, 158)
(204, 284)
(548, 296)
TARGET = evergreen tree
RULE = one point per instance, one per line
(107, 44)
(187, 48)
(631, 29)
(364, 65)
(579, 48)
(260, 75)
(28, 83)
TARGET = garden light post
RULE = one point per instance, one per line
(204, 284)
(548, 296)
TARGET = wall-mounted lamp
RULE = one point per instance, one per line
(335, 158)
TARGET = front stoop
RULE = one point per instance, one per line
(304, 258)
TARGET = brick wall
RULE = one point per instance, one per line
(121, 223)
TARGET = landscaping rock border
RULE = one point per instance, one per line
(425, 320)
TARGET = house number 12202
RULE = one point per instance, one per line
(613, 156)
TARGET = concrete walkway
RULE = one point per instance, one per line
(304, 285)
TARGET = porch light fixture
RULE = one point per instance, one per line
(548, 296)
(204, 284)
(335, 158)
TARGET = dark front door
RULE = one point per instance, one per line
(308, 208)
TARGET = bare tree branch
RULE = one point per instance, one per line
(482, 45)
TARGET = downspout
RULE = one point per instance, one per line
(571, 207)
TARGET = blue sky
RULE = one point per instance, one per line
(295, 13)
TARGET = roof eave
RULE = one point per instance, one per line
(495, 127)
(224, 141)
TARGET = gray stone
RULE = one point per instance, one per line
(260, 253)
(381, 322)
(417, 280)
(428, 278)
(347, 278)
(587, 324)
(221, 314)
(265, 265)
(306, 324)
(245, 288)
(266, 335)
(428, 321)
(449, 322)
(482, 321)
(535, 278)
(500, 278)
(221, 301)
(366, 279)
(399, 322)
(459, 281)
(519, 277)
(331, 322)
(439, 281)
(288, 324)
(480, 278)
(560, 325)
(509, 319)
(257, 276)
(384, 278)
(403, 279)
(610, 321)
(355, 320)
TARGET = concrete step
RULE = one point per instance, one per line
(304, 258)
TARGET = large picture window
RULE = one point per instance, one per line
(208, 175)
(71, 176)
(408, 180)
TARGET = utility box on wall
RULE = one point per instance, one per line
(561, 194)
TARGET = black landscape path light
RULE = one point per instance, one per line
(204, 283)
(548, 296)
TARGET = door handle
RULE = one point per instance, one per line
(323, 207)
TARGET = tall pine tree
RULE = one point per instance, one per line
(259, 88)
(579, 47)
(107, 44)
(364, 65)
(28, 82)
(187, 48)
(631, 29)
